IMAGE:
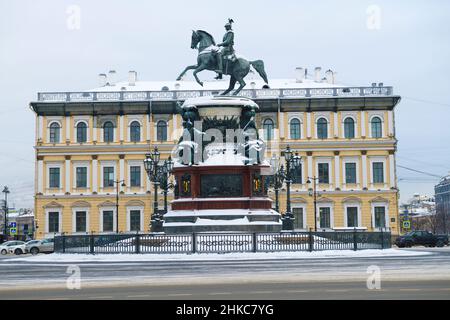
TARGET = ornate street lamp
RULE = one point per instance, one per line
(278, 179)
(5, 232)
(292, 162)
(117, 182)
(313, 193)
(159, 175)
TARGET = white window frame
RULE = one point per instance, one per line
(74, 219)
(129, 209)
(81, 164)
(88, 137)
(49, 123)
(316, 127)
(155, 128)
(301, 127)
(386, 215)
(327, 160)
(50, 165)
(60, 225)
(373, 159)
(325, 205)
(302, 206)
(378, 115)
(135, 163)
(102, 135)
(103, 164)
(346, 160)
(355, 123)
(131, 120)
(107, 208)
(352, 204)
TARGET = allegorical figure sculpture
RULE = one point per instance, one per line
(222, 59)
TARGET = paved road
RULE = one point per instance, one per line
(417, 277)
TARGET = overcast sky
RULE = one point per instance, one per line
(44, 47)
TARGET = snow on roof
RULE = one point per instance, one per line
(172, 85)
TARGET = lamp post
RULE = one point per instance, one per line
(6, 191)
(117, 182)
(159, 175)
(278, 179)
(313, 193)
(292, 162)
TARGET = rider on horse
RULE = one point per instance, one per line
(226, 51)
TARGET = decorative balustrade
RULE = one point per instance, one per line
(183, 95)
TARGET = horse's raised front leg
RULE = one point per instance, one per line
(194, 66)
(199, 68)
(241, 85)
(230, 87)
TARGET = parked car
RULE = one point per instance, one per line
(14, 246)
(36, 246)
(421, 238)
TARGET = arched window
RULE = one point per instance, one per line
(108, 132)
(376, 127)
(268, 129)
(349, 128)
(161, 130)
(295, 129)
(54, 132)
(81, 132)
(322, 128)
(135, 131)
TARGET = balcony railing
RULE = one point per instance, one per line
(183, 95)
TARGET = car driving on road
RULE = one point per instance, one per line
(421, 238)
(36, 246)
(14, 246)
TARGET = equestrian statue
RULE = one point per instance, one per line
(222, 59)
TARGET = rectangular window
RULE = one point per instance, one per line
(297, 175)
(325, 216)
(135, 176)
(350, 172)
(80, 221)
(380, 217)
(108, 221)
(324, 176)
(108, 177)
(298, 215)
(135, 220)
(54, 178)
(53, 222)
(378, 176)
(81, 177)
(352, 217)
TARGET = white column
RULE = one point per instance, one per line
(94, 175)
(121, 171)
(174, 126)
(310, 167)
(308, 125)
(392, 171)
(364, 170)
(336, 171)
(39, 129)
(121, 128)
(390, 123)
(94, 129)
(363, 123)
(40, 176)
(67, 127)
(67, 170)
(281, 124)
(336, 124)
(148, 128)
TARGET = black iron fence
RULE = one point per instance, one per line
(221, 242)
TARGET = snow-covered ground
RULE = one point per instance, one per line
(215, 257)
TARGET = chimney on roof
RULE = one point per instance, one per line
(329, 76)
(317, 74)
(132, 78)
(102, 79)
(299, 74)
(334, 77)
(112, 77)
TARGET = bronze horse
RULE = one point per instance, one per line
(207, 60)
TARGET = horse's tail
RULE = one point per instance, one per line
(259, 67)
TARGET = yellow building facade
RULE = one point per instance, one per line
(90, 148)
